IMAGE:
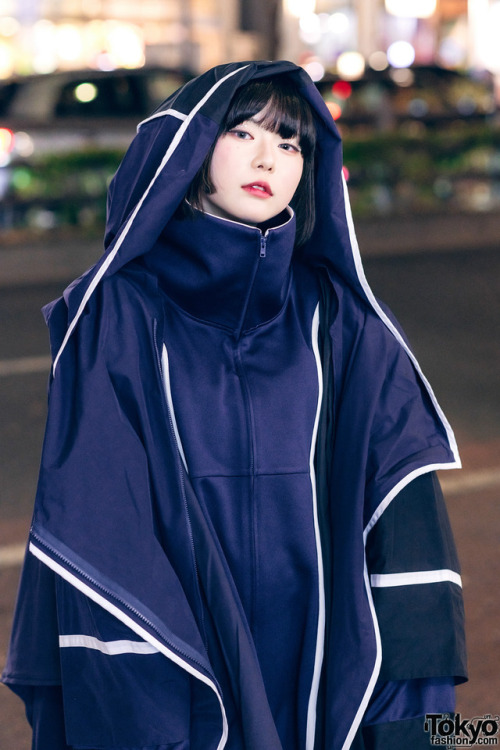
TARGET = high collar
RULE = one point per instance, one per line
(223, 272)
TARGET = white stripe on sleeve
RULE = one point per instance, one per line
(385, 580)
(111, 648)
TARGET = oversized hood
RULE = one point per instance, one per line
(114, 502)
(168, 150)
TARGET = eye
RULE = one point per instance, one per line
(291, 147)
(241, 135)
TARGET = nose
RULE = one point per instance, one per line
(264, 156)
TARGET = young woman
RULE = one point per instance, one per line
(238, 540)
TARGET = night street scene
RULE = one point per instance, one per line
(413, 89)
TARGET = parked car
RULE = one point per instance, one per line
(429, 95)
(84, 121)
(67, 110)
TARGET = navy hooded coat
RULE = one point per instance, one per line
(238, 538)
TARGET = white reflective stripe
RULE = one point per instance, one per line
(165, 113)
(384, 580)
(320, 638)
(111, 648)
(137, 629)
(387, 321)
(111, 256)
(168, 393)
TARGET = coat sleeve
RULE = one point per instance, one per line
(407, 733)
(416, 586)
(102, 613)
(33, 669)
(416, 589)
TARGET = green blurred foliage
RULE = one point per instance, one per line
(388, 173)
(454, 170)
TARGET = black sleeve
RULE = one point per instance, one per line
(396, 735)
(421, 622)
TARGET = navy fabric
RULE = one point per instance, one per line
(395, 701)
(45, 711)
(239, 436)
(176, 510)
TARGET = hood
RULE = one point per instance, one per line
(169, 148)
(162, 160)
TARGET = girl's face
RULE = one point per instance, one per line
(255, 173)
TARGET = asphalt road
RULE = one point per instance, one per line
(449, 305)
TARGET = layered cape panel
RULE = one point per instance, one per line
(120, 547)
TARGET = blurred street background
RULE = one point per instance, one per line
(414, 86)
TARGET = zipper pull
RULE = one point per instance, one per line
(263, 243)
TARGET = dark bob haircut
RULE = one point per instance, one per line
(285, 112)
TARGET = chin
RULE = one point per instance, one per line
(260, 217)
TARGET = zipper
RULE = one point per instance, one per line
(250, 426)
(111, 596)
(262, 254)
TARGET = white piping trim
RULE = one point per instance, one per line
(129, 622)
(386, 320)
(165, 372)
(456, 464)
(320, 638)
(288, 209)
(397, 489)
(110, 258)
(165, 113)
(376, 667)
(385, 580)
(110, 648)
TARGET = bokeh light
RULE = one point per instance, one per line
(125, 45)
(335, 109)
(378, 60)
(6, 60)
(339, 23)
(86, 92)
(9, 26)
(299, 8)
(342, 89)
(44, 47)
(491, 49)
(310, 28)
(68, 42)
(401, 54)
(411, 8)
(315, 69)
(351, 65)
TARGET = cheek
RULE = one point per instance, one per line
(294, 178)
(222, 165)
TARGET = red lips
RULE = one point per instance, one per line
(260, 189)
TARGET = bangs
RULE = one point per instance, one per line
(281, 108)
